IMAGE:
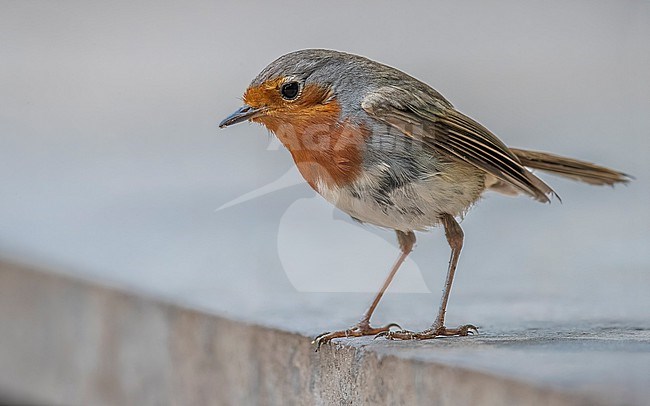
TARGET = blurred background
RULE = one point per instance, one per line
(112, 167)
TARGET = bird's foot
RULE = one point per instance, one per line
(361, 329)
(430, 333)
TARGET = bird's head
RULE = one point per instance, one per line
(311, 99)
(311, 86)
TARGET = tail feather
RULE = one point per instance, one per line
(570, 168)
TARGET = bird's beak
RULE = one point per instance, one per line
(244, 113)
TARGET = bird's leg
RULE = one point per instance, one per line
(455, 236)
(363, 328)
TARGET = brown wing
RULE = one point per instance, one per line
(437, 124)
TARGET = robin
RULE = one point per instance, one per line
(389, 150)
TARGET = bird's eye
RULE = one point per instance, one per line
(290, 90)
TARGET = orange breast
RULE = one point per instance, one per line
(323, 148)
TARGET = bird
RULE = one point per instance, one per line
(389, 150)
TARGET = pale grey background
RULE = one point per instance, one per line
(112, 165)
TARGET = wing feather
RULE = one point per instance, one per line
(437, 124)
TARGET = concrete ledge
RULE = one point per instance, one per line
(65, 341)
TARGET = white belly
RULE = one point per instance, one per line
(416, 206)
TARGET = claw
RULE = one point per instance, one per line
(316, 339)
(462, 331)
(388, 326)
(387, 332)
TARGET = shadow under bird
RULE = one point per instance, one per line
(389, 150)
